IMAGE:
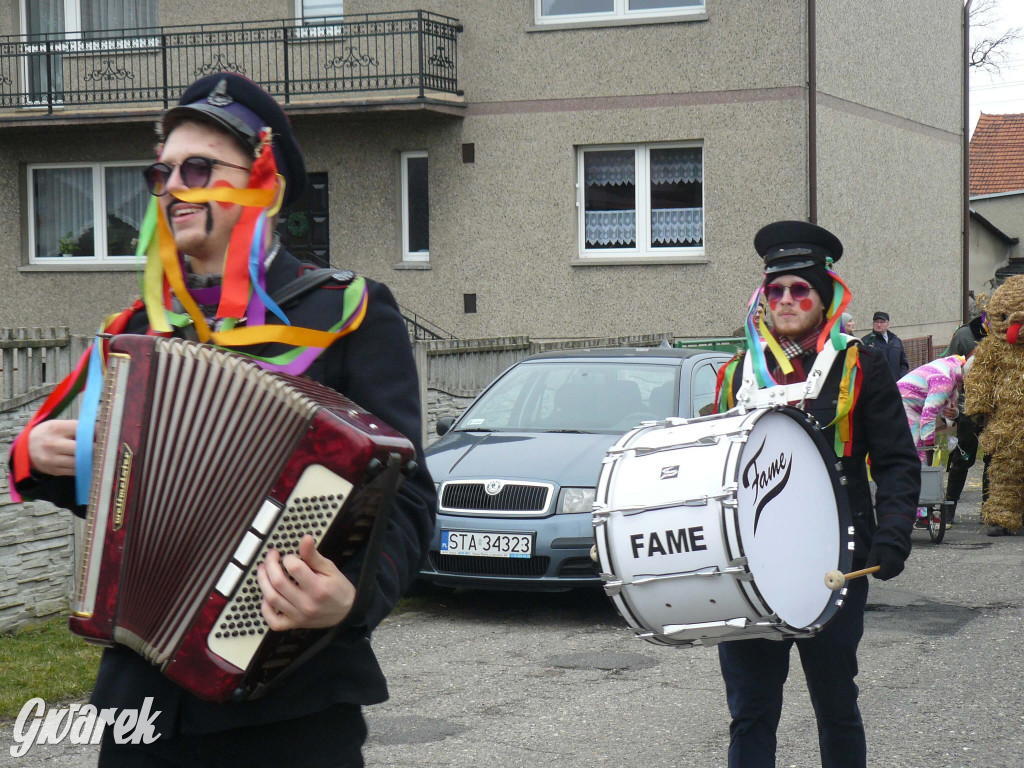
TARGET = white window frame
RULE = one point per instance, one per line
(73, 42)
(408, 255)
(643, 248)
(620, 11)
(300, 15)
(99, 203)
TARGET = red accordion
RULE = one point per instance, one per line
(202, 463)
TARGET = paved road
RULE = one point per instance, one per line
(529, 680)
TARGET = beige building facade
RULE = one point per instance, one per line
(575, 174)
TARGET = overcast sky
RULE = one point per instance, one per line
(1002, 93)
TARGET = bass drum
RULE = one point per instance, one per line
(723, 528)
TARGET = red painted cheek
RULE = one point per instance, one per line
(806, 305)
(773, 304)
(222, 183)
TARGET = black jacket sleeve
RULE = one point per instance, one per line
(374, 367)
(904, 365)
(895, 467)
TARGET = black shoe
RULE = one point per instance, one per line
(950, 510)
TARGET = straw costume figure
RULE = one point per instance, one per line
(994, 396)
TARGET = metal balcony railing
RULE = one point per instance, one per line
(402, 55)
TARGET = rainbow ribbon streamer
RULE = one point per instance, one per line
(758, 359)
(841, 298)
(61, 397)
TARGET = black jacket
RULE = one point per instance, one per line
(880, 431)
(893, 351)
(373, 366)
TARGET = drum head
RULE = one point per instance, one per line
(792, 515)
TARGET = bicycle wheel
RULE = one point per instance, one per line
(937, 522)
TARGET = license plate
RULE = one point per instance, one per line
(486, 544)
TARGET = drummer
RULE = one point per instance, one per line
(805, 300)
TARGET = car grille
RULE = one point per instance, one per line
(513, 497)
(489, 566)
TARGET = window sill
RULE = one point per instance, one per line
(632, 261)
(133, 266)
(412, 265)
(618, 22)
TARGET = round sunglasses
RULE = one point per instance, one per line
(195, 172)
(799, 291)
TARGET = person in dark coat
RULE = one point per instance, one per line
(963, 456)
(800, 288)
(314, 717)
(889, 344)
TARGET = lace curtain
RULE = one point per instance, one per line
(669, 226)
(668, 166)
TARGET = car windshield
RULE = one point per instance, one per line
(575, 396)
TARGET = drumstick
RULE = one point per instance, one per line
(836, 579)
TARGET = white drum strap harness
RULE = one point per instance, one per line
(751, 396)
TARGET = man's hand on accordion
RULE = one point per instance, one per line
(304, 591)
(51, 447)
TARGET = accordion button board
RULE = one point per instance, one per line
(312, 506)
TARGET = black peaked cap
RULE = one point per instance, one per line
(242, 108)
(790, 245)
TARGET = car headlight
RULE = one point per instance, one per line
(577, 500)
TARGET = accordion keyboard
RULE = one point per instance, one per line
(312, 507)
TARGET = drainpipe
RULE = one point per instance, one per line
(812, 113)
(966, 228)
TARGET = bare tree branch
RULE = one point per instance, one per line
(989, 46)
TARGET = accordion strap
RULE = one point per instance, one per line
(309, 281)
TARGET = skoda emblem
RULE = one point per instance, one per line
(493, 487)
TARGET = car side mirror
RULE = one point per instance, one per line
(444, 424)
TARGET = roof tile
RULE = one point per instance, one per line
(997, 154)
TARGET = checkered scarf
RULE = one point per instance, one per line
(802, 345)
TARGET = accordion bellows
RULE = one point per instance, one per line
(203, 462)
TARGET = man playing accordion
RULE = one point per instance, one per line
(226, 163)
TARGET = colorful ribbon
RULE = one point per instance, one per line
(63, 395)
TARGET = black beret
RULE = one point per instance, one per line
(880, 316)
(789, 245)
(242, 108)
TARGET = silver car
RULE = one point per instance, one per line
(517, 471)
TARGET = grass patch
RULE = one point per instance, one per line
(45, 661)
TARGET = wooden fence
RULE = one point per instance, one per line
(33, 360)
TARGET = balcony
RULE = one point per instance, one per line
(360, 62)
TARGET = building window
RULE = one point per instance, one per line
(415, 207)
(641, 200)
(315, 11)
(549, 11)
(85, 213)
(91, 17)
(75, 20)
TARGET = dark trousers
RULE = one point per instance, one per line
(756, 670)
(332, 738)
(962, 458)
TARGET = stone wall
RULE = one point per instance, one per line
(37, 546)
(438, 405)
